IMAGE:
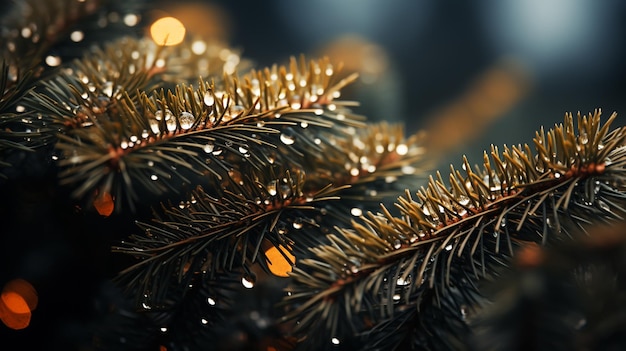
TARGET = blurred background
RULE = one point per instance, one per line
(472, 73)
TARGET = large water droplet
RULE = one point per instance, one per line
(160, 115)
(356, 212)
(208, 148)
(247, 282)
(271, 188)
(107, 89)
(171, 124)
(186, 120)
(154, 125)
(287, 137)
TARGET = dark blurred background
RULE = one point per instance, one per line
(470, 72)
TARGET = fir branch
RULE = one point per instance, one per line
(18, 131)
(453, 235)
(121, 138)
(193, 316)
(376, 162)
(214, 234)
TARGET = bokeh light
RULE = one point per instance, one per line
(17, 301)
(167, 31)
(280, 260)
(104, 204)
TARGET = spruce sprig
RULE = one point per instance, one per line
(115, 138)
(452, 235)
(211, 233)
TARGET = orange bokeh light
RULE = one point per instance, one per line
(17, 301)
(280, 260)
(104, 204)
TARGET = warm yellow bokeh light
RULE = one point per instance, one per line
(167, 31)
(277, 263)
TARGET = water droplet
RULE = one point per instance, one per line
(396, 297)
(298, 223)
(285, 191)
(244, 151)
(154, 177)
(463, 311)
(171, 124)
(356, 212)
(281, 228)
(211, 301)
(208, 148)
(164, 329)
(287, 139)
(186, 120)
(159, 115)
(181, 205)
(271, 188)
(335, 341)
(107, 89)
(449, 247)
(403, 282)
(154, 125)
(584, 139)
(354, 269)
(247, 282)
(397, 244)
